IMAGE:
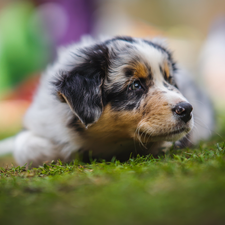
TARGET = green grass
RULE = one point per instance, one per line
(182, 187)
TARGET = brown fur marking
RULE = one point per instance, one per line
(140, 70)
(167, 70)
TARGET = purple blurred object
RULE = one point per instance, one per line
(77, 14)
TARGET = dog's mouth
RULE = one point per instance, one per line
(178, 131)
(167, 136)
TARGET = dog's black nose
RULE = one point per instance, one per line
(183, 110)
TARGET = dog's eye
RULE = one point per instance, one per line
(135, 85)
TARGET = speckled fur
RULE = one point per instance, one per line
(86, 103)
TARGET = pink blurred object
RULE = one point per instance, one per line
(24, 91)
(12, 112)
(15, 104)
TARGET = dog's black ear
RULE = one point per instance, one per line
(81, 88)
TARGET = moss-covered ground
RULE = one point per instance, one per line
(183, 187)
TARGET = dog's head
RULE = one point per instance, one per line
(124, 88)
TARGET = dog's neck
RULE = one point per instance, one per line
(123, 150)
(107, 139)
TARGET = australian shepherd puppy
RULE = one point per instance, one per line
(118, 97)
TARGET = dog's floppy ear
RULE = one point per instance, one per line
(81, 87)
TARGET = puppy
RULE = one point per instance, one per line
(117, 97)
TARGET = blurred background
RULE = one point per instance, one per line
(31, 31)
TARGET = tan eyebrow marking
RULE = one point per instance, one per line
(166, 70)
(140, 70)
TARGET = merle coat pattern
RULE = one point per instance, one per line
(114, 97)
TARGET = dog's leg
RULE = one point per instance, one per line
(34, 150)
